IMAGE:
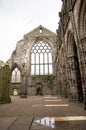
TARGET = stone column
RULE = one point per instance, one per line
(24, 83)
(82, 60)
(5, 81)
(73, 79)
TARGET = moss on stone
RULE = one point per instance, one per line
(5, 80)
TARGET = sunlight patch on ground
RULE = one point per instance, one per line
(49, 97)
(70, 118)
(50, 121)
(57, 105)
(53, 100)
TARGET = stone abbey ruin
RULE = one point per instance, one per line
(45, 63)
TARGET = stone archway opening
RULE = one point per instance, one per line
(81, 27)
(82, 20)
(76, 92)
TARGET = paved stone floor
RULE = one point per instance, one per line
(42, 113)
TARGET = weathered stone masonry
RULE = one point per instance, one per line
(21, 58)
(71, 59)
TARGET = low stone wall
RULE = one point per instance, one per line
(47, 81)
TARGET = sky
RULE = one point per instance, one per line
(18, 17)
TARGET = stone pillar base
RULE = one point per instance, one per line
(4, 100)
(75, 99)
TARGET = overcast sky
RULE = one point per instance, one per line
(18, 17)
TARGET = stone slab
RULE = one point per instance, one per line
(22, 123)
(6, 122)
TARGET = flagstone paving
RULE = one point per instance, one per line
(42, 113)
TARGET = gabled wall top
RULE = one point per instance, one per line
(40, 31)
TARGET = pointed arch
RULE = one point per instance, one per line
(14, 66)
(74, 68)
(16, 73)
(82, 19)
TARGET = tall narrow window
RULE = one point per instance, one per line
(41, 59)
(16, 76)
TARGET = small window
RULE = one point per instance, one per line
(40, 30)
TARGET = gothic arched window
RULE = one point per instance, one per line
(16, 76)
(41, 59)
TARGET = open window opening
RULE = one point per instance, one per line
(41, 59)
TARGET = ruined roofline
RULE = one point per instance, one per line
(2, 64)
(40, 27)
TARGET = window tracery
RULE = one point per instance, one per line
(41, 59)
(16, 76)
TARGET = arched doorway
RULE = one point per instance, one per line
(75, 83)
(81, 24)
(82, 19)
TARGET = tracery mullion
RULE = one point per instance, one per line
(15, 76)
(51, 62)
(35, 63)
(39, 63)
(43, 64)
(48, 61)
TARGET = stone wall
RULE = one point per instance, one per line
(71, 61)
(21, 56)
(47, 81)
